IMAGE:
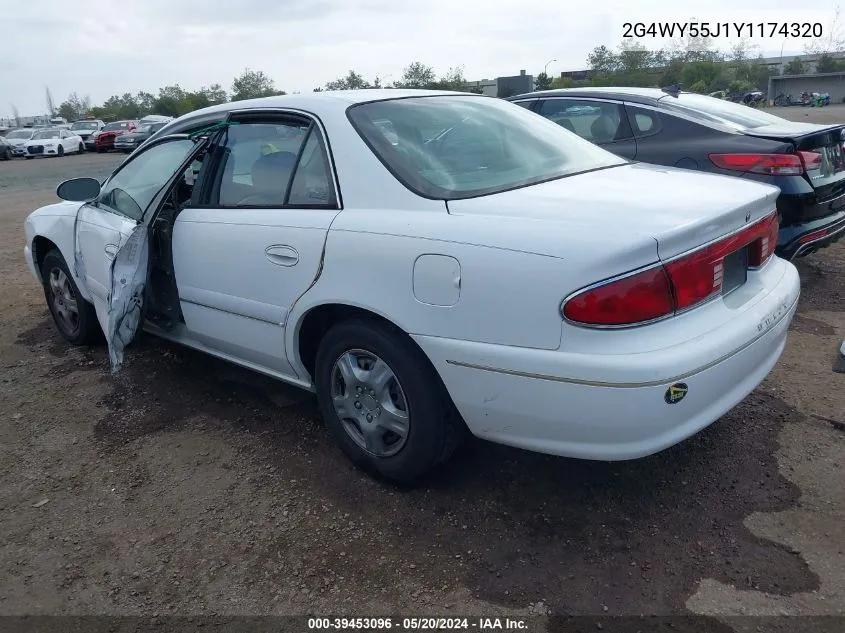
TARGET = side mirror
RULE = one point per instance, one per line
(78, 189)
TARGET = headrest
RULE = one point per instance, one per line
(272, 171)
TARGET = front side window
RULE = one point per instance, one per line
(130, 191)
(273, 164)
(452, 147)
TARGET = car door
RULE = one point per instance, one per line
(598, 121)
(106, 225)
(254, 243)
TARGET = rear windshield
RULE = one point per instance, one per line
(452, 147)
(734, 114)
(120, 125)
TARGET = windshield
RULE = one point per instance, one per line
(84, 125)
(119, 125)
(719, 110)
(46, 134)
(454, 147)
(24, 134)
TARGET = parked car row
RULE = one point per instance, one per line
(36, 142)
(679, 129)
(432, 263)
(86, 134)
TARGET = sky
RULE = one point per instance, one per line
(103, 47)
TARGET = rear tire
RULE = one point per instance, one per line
(74, 317)
(363, 351)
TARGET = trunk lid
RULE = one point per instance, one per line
(678, 208)
(823, 154)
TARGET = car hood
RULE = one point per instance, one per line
(138, 136)
(16, 142)
(679, 208)
(42, 141)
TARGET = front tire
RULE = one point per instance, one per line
(61, 151)
(382, 400)
(81, 148)
(74, 317)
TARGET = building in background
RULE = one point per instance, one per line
(515, 85)
(25, 121)
(832, 83)
(487, 87)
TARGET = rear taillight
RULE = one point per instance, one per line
(672, 287)
(637, 298)
(810, 160)
(768, 164)
(763, 247)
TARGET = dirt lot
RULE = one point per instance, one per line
(187, 486)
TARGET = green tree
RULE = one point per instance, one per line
(170, 101)
(826, 64)
(352, 81)
(252, 84)
(602, 61)
(452, 80)
(704, 76)
(416, 75)
(145, 101)
(795, 66)
(563, 82)
(542, 82)
(74, 108)
(215, 94)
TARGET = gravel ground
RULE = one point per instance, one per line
(184, 485)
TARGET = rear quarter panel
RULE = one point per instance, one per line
(513, 273)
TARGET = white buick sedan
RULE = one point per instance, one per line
(430, 262)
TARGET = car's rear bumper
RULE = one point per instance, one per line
(613, 406)
(802, 239)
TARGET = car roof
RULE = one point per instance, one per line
(329, 99)
(637, 95)
(324, 103)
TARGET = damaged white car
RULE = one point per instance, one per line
(428, 262)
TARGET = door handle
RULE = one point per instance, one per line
(111, 250)
(282, 255)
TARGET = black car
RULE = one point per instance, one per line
(129, 141)
(5, 149)
(681, 129)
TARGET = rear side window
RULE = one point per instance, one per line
(643, 122)
(596, 121)
(453, 147)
